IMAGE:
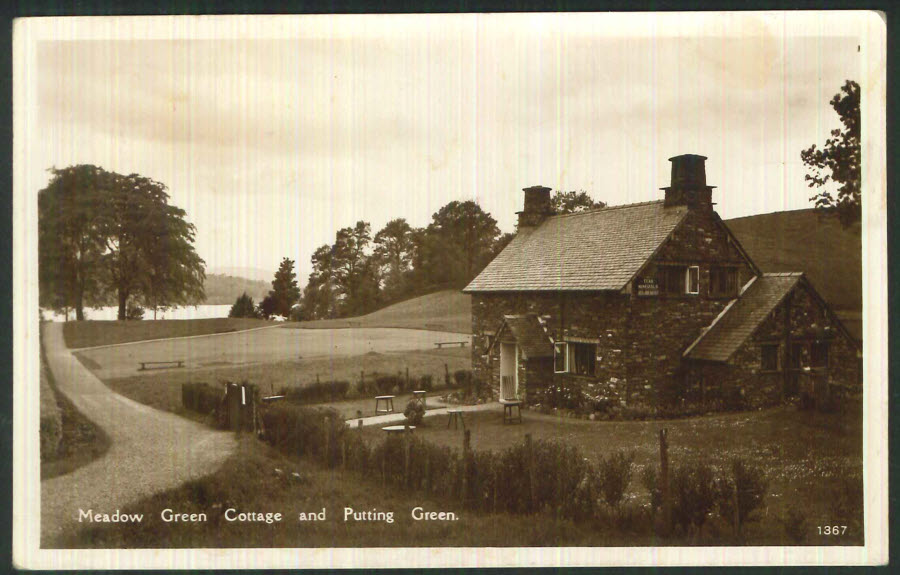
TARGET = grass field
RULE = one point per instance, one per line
(91, 333)
(448, 310)
(162, 390)
(811, 459)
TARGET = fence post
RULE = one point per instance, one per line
(529, 450)
(664, 480)
(407, 379)
(737, 511)
(467, 445)
(406, 447)
(446, 375)
(359, 425)
(343, 454)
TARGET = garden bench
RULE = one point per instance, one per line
(508, 405)
(388, 401)
(162, 364)
(398, 428)
(440, 344)
(454, 416)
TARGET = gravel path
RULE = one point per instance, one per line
(151, 450)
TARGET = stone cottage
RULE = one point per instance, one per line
(653, 303)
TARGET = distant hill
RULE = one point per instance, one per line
(805, 240)
(245, 272)
(224, 289)
(447, 310)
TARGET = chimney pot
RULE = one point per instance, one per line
(688, 185)
(537, 206)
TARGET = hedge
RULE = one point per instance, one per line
(201, 397)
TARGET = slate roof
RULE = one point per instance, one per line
(594, 250)
(742, 316)
(530, 335)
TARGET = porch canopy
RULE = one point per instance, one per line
(527, 332)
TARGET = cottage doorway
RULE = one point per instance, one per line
(509, 374)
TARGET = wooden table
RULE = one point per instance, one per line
(507, 411)
(398, 428)
(455, 415)
(388, 401)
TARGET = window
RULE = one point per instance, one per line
(723, 281)
(583, 358)
(692, 280)
(560, 357)
(818, 354)
(769, 357)
(671, 279)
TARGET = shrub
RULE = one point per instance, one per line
(201, 397)
(385, 384)
(795, 525)
(244, 307)
(318, 392)
(694, 494)
(651, 483)
(564, 395)
(615, 474)
(303, 431)
(751, 486)
(134, 312)
(426, 382)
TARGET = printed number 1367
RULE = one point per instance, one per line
(832, 529)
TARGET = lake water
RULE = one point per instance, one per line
(110, 312)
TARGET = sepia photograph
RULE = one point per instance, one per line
(458, 290)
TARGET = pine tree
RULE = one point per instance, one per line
(285, 292)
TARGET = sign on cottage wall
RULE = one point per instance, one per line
(647, 286)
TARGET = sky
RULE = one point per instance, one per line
(272, 136)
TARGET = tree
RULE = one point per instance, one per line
(285, 292)
(351, 269)
(149, 250)
(456, 246)
(243, 307)
(393, 254)
(319, 295)
(70, 242)
(839, 160)
(268, 307)
(573, 202)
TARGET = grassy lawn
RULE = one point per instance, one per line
(448, 310)
(90, 333)
(248, 481)
(813, 461)
(163, 390)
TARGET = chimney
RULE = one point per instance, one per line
(688, 187)
(537, 207)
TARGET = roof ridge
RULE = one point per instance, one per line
(606, 209)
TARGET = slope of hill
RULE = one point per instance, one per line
(804, 240)
(223, 289)
(448, 310)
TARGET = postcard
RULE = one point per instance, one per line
(457, 290)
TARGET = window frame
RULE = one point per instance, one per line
(565, 354)
(687, 280)
(572, 365)
(719, 274)
(762, 357)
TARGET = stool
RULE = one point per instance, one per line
(454, 416)
(388, 404)
(420, 394)
(507, 411)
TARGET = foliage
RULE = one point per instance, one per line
(284, 293)
(134, 312)
(839, 160)
(201, 397)
(471, 385)
(393, 256)
(795, 524)
(572, 202)
(564, 395)
(102, 233)
(694, 493)
(317, 392)
(243, 307)
(751, 485)
(615, 474)
(266, 308)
